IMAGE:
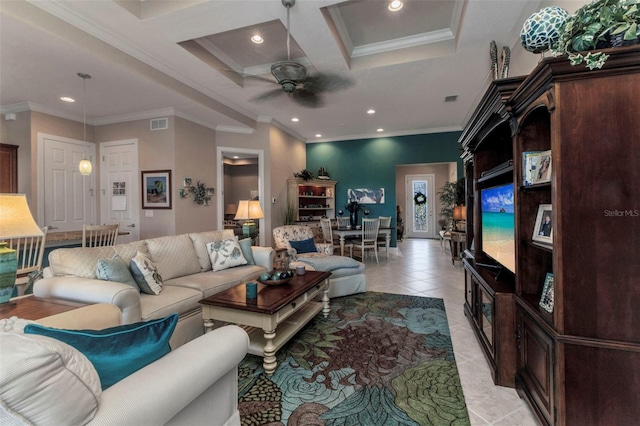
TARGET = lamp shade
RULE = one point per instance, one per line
(85, 167)
(15, 217)
(249, 209)
(459, 213)
(230, 209)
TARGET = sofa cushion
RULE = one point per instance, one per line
(79, 261)
(225, 254)
(117, 352)
(174, 256)
(129, 250)
(304, 246)
(212, 282)
(200, 241)
(115, 269)
(45, 381)
(172, 299)
(146, 274)
(245, 246)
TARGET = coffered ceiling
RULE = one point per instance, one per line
(195, 59)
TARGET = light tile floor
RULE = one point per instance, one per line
(422, 267)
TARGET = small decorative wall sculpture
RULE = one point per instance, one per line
(201, 193)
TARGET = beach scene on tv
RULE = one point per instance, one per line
(498, 230)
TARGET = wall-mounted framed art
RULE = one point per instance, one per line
(156, 189)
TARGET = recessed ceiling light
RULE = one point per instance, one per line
(295, 119)
(236, 157)
(257, 39)
(371, 111)
(67, 99)
(395, 5)
(380, 130)
(318, 135)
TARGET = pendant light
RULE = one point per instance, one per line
(85, 165)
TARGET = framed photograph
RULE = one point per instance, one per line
(543, 229)
(546, 298)
(156, 189)
(543, 170)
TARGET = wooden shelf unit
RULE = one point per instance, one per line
(581, 363)
(312, 200)
(489, 304)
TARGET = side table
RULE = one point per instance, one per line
(456, 241)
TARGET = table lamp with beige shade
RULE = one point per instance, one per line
(21, 243)
(459, 215)
(248, 210)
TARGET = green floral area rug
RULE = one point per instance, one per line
(378, 359)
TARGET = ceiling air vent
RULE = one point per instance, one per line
(159, 123)
(452, 98)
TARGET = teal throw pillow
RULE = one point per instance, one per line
(117, 352)
(245, 246)
(115, 269)
(304, 246)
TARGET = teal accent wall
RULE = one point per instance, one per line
(371, 163)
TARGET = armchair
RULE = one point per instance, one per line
(347, 274)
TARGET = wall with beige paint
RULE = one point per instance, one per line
(18, 132)
(156, 151)
(288, 155)
(240, 180)
(195, 157)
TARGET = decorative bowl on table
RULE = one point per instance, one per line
(276, 277)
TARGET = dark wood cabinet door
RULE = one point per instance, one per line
(535, 375)
(8, 169)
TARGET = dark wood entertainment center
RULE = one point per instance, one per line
(579, 364)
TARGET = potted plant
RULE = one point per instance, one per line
(596, 25)
(450, 195)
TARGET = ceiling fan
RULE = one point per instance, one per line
(296, 82)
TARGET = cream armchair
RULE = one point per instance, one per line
(347, 274)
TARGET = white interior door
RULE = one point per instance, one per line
(66, 198)
(119, 189)
(420, 221)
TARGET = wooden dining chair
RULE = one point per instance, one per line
(343, 222)
(368, 240)
(30, 252)
(327, 235)
(385, 222)
(99, 235)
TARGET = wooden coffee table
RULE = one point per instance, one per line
(35, 308)
(275, 316)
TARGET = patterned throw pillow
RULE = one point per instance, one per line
(146, 274)
(115, 269)
(225, 254)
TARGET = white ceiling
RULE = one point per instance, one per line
(140, 57)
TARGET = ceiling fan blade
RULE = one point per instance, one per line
(271, 94)
(307, 98)
(326, 82)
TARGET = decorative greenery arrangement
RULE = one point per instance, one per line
(304, 174)
(599, 24)
(199, 192)
(420, 199)
(451, 194)
(289, 214)
(353, 206)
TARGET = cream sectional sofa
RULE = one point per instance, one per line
(181, 260)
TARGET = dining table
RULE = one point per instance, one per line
(348, 232)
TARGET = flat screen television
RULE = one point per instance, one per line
(498, 225)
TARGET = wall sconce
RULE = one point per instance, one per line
(201, 193)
